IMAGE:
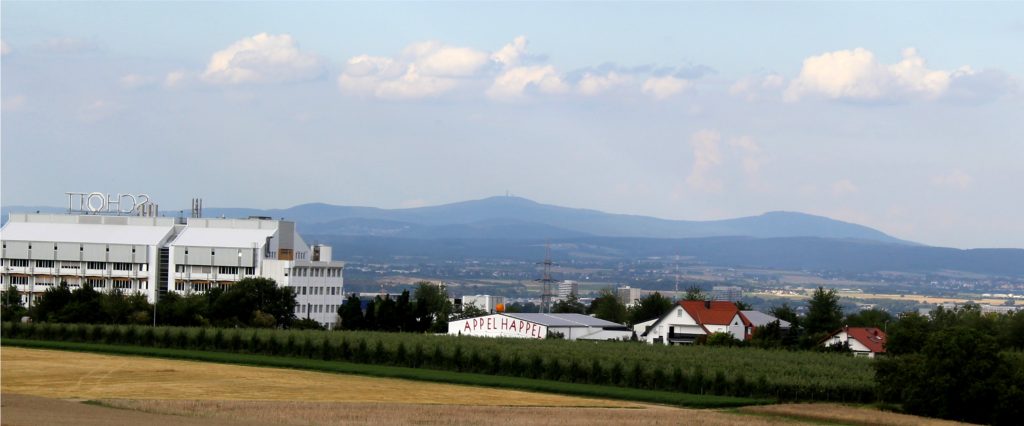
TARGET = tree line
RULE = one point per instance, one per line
(252, 302)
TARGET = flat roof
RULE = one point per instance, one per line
(85, 233)
(222, 237)
(564, 320)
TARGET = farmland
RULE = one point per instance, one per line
(700, 370)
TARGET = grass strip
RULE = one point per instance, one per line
(420, 374)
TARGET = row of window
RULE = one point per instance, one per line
(316, 272)
(94, 282)
(318, 291)
(98, 266)
(80, 248)
(224, 270)
(315, 309)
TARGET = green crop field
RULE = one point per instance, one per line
(629, 366)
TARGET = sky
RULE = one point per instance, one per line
(905, 117)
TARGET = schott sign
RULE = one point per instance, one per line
(98, 202)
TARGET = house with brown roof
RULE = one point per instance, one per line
(862, 341)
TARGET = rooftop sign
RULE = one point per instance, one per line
(98, 202)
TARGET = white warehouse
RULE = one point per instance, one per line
(152, 255)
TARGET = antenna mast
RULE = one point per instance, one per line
(546, 281)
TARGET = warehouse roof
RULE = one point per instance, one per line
(760, 319)
(223, 237)
(85, 233)
(564, 320)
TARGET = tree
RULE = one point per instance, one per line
(238, 303)
(49, 306)
(650, 307)
(433, 297)
(351, 314)
(743, 306)
(571, 305)
(525, 308)
(387, 314)
(370, 317)
(11, 309)
(83, 307)
(869, 318)
(694, 293)
(406, 314)
(768, 336)
(470, 311)
(608, 307)
(824, 315)
(959, 374)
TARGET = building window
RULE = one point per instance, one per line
(74, 265)
(23, 263)
(229, 270)
(96, 283)
(123, 284)
(122, 266)
(96, 265)
(179, 268)
(44, 264)
(19, 280)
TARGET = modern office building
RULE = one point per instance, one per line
(153, 255)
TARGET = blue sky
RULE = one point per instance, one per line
(904, 117)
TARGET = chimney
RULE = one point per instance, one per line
(707, 304)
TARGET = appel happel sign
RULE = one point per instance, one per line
(498, 326)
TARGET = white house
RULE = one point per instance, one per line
(863, 341)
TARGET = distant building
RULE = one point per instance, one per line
(728, 293)
(567, 287)
(486, 302)
(629, 295)
(863, 341)
(141, 253)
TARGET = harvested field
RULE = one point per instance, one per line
(845, 414)
(59, 374)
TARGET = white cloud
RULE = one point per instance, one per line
(706, 157)
(595, 84)
(514, 83)
(175, 78)
(509, 54)
(262, 58)
(664, 87)
(135, 81)
(423, 69)
(844, 187)
(749, 151)
(754, 88)
(857, 75)
(956, 179)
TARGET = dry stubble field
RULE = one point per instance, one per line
(47, 387)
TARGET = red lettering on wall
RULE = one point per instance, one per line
(467, 327)
(504, 323)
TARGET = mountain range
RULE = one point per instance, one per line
(513, 227)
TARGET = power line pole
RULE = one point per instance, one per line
(546, 281)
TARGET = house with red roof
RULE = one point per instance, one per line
(689, 320)
(862, 341)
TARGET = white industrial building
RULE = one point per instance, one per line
(486, 302)
(152, 255)
(539, 326)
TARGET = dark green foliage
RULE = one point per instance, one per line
(950, 366)
(571, 305)
(351, 314)
(10, 304)
(824, 315)
(608, 307)
(650, 307)
(869, 318)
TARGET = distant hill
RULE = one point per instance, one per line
(514, 228)
(514, 217)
